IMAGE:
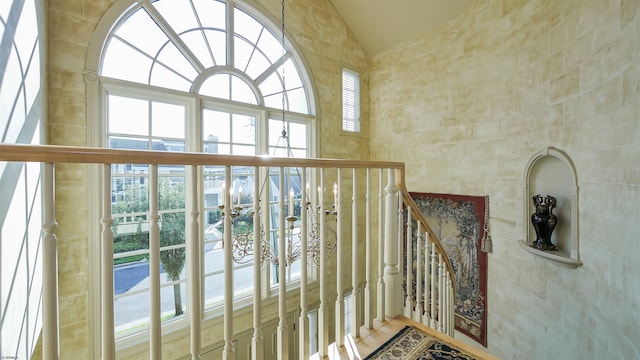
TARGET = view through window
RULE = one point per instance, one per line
(174, 81)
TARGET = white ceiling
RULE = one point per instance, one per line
(380, 24)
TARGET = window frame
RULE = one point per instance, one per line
(97, 88)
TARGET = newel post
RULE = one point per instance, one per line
(392, 278)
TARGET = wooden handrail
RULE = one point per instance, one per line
(76, 154)
(90, 155)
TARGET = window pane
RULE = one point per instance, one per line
(172, 58)
(257, 65)
(274, 101)
(244, 129)
(298, 135)
(218, 43)
(292, 79)
(168, 120)
(173, 261)
(133, 143)
(272, 85)
(131, 313)
(168, 145)
(128, 116)
(298, 101)
(243, 150)
(216, 126)
(163, 77)
(350, 101)
(242, 52)
(178, 13)
(275, 133)
(214, 284)
(138, 65)
(271, 46)
(216, 86)
(197, 43)
(300, 153)
(246, 26)
(243, 282)
(173, 300)
(211, 13)
(240, 91)
(142, 32)
(131, 197)
(171, 196)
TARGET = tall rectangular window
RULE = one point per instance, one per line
(350, 101)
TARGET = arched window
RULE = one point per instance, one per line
(198, 76)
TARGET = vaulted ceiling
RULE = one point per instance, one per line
(380, 24)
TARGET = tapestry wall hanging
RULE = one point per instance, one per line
(459, 221)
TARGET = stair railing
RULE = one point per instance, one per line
(428, 290)
(386, 291)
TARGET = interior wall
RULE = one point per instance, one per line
(467, 106)
(320, 35)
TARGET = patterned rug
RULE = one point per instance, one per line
(413, 344)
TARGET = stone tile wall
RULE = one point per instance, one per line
(466, 107)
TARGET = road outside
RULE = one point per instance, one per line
(131, 284)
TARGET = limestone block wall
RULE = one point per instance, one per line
(326, 45)
(467, 105)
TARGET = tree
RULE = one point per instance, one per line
(171, 203)
(172, 196)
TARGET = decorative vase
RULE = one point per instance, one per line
(544, 221)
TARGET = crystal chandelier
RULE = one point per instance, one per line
(243, 236)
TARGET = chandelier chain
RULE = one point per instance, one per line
(284, 88)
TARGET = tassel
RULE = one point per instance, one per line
(485, 244)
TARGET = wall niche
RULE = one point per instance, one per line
(551, 172)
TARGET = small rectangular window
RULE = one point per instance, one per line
(350, 101)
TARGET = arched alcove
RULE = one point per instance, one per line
(551, 172)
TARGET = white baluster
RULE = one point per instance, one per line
(283, 336)
(368, 289)
(193, 247)
(445, 300)
(381, 246)
(450, 305)
(155, 326)
(108, 336)
(440, 292)
(427, 265)
(392, 276)
(228, 352)
(452, 313)
(356, 321)
(50, 337)
(303, 331)
(257, 347)
(408, 292)
(339, 309)
(323, 317)
(418, 302)
(434, 263)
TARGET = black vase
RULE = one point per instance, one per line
(544, 222)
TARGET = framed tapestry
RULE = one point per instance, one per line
(459, 222)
